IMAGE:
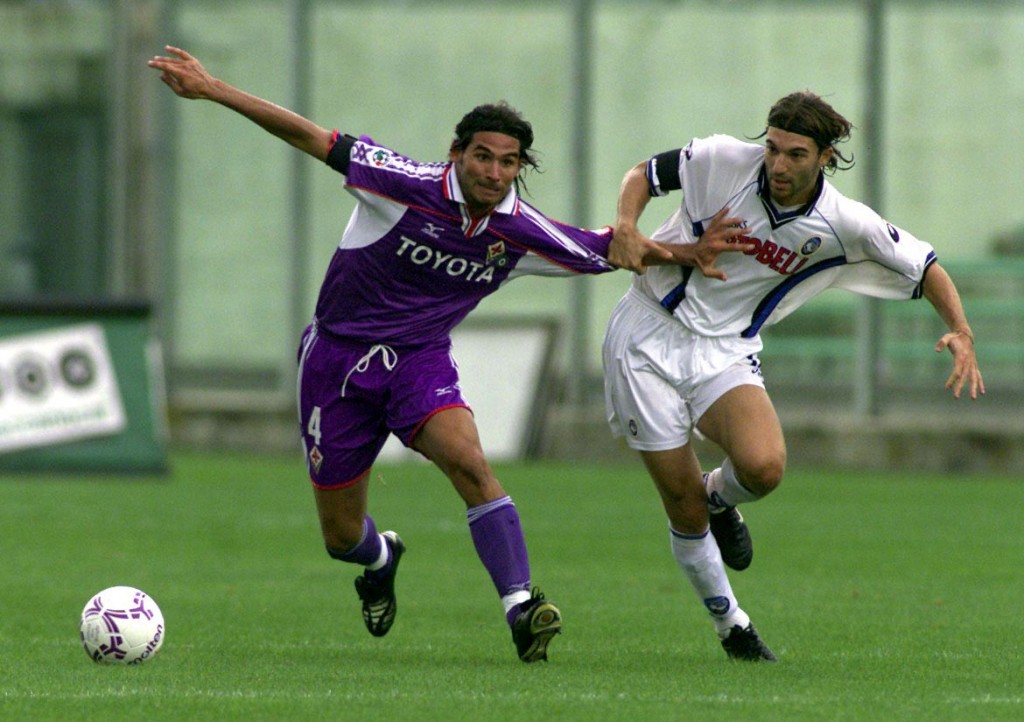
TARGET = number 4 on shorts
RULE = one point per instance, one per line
(313, 427)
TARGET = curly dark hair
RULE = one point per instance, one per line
(498, 117)
(806, 113)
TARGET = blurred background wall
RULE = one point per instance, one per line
(114, 188)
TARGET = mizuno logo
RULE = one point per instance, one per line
(434, 231)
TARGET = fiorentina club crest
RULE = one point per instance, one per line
(496, 253)
(316, 459)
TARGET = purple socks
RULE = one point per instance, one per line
(499, 543)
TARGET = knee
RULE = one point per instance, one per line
(763, 476)
(471, 463)
(473, 478)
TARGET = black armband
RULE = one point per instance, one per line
(666, 170)
(340, 152)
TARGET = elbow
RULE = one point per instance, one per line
(317, 144)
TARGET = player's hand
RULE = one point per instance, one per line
(634, 251)
(720, 236)
(965, 364)
(183, 74)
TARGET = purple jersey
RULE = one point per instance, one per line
(412, 263)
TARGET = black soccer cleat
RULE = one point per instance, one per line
(378, 595)
(744, 643)
(536, 624)
(733, 538)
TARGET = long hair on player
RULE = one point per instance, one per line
(806, 113)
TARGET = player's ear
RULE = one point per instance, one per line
(825, 157)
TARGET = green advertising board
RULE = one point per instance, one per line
(81, 388)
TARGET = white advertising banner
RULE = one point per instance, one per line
(57, 385)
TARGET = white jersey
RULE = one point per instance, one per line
(832, 241)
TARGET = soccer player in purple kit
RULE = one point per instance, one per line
(426, 242)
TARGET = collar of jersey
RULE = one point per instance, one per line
(453, 192)
(777, 217)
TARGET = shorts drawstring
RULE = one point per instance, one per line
(388, 357)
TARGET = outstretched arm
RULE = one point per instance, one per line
(940, 291)
(629, 248)
(187, 77)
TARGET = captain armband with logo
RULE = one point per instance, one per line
(663, 173)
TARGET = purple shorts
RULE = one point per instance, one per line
(352, 395)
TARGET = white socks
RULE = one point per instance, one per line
(514, 599)
(701, 561)
(724, 489)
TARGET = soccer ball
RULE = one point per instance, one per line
(121, 625)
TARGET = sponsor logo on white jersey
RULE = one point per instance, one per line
(779, 258)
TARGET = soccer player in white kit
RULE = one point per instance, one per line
(680, 353)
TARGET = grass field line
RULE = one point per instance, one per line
(986, 699)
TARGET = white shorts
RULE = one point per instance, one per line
(660, 378)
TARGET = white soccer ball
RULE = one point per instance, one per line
(121, 625)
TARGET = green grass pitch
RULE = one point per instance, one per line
(885, 597)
